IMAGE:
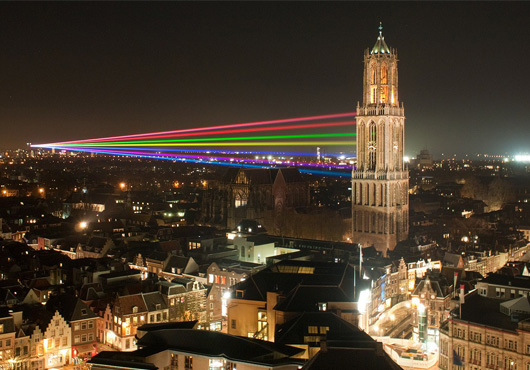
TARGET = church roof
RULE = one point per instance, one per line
(380, 46)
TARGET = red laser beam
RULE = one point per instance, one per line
(200, 129)
(245, 130)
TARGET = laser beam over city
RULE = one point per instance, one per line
(156, 145)
(211, 128)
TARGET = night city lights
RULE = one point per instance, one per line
(264, 185)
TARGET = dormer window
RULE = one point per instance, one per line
(83, 311)
(135, 309)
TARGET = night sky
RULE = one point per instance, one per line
(84, 70)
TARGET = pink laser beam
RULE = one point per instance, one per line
(301, 119)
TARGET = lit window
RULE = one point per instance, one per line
(373, 94)
(384, 94)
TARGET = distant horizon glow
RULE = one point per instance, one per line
(522, 158)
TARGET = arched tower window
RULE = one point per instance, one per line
(395, 144)
(372, 146)
(384, 74)
(381, 144)
(383, 92)
(361, 143)
(393, 92)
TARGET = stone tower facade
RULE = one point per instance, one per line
(380, 181)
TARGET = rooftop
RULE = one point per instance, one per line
(210, 343)
(380, 46)
(484, 311)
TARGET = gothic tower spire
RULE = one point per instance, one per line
(380, 179)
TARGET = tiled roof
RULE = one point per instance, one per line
(153, 299)
(126, 304)
(70, 307)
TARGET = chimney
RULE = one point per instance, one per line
(323, 346)
(17, 318)
(379, 349)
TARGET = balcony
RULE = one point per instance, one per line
(380, 110)
(380, 175)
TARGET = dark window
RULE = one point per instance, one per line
(188, 362)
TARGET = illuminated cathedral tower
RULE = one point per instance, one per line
(380, 180)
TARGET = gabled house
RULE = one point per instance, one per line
(82, 321)
(175, 297)
(157, 307)
(96, 247)
(127, 313)
(178, 265)
(7, 339)
(431, 304)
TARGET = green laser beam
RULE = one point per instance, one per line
(241, 138)
(257, 143)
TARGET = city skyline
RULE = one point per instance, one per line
(76, 71)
